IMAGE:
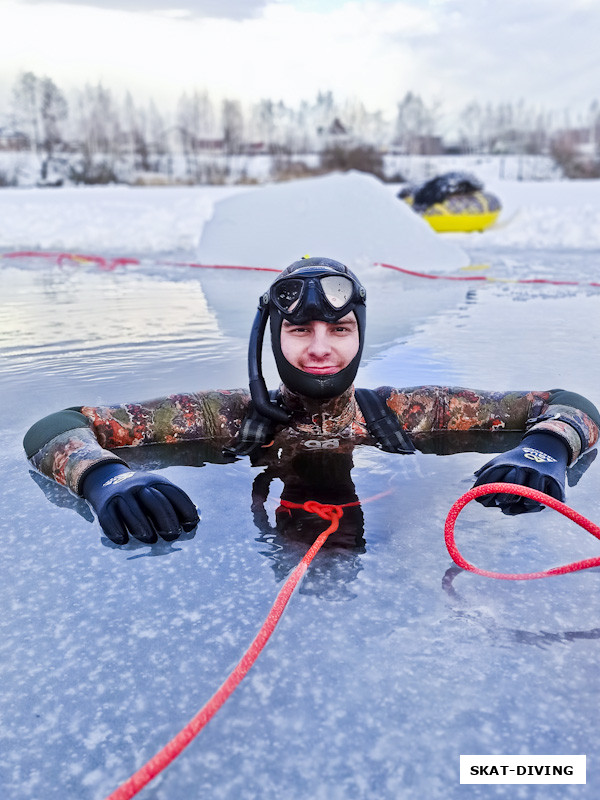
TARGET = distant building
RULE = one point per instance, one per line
(577, 151)
(415, 145)
(14, 140)
(579, 140)
(333, 135)
(177, 139)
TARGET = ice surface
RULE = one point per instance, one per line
(388, 664)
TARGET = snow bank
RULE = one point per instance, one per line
(122, 220)
(351, 217)
(546, 214)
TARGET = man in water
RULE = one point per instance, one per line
(316, 309)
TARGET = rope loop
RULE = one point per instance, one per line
(533, 494)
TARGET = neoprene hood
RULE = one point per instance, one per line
(309, 289)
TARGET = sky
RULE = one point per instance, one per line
(448, 51)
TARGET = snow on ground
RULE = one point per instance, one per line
(116, 219)
(125, 220)
(546, 214)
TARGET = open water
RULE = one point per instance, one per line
(389, 662)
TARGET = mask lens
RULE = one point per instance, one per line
(337, 290)
(286, 294)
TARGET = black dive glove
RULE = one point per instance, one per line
(540, 462)
(142, 504)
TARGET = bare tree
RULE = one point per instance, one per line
(136, 125)
(415, 124)
(368, 128)
(263, 123)
(233, 126)
(40, 108)
(100, 134)
(594, 123)
(25, 106)
(53, 111)
(158, 143)
(197, 127)
(471, 128)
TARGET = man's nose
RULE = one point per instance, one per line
(319, 342)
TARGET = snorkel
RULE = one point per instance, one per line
(258, 387)
(309, 289)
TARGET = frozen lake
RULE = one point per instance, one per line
(388, 663)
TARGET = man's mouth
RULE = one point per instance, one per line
(321, 370)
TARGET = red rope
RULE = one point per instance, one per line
(64, 258)
(172, 749)
(482, 277)
(533, 494)
(112, 263)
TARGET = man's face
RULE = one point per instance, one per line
(320, 348)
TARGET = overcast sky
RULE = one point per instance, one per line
(544, 51)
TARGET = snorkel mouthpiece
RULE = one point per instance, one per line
(309, 289)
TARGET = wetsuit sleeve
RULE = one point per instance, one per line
(66, 445)
(572, 418)
(429, 409)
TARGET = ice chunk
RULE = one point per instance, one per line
(351, 217)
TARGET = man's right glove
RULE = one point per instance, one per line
(142, 504)
(540, 462)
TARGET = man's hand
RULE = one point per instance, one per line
(539, 462)
(142, 504)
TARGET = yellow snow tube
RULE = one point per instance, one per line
(462, 213)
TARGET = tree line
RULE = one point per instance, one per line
(93, 136)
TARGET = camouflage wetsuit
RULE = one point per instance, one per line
(65, 445)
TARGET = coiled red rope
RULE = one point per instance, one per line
(331, 513)
(533, 494)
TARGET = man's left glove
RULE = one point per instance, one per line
(142, 504)
(539, 462)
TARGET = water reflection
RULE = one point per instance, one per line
(324, 477)
(49, 317)
(59, 496)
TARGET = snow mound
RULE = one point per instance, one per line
(547, 215)
(351, 217)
